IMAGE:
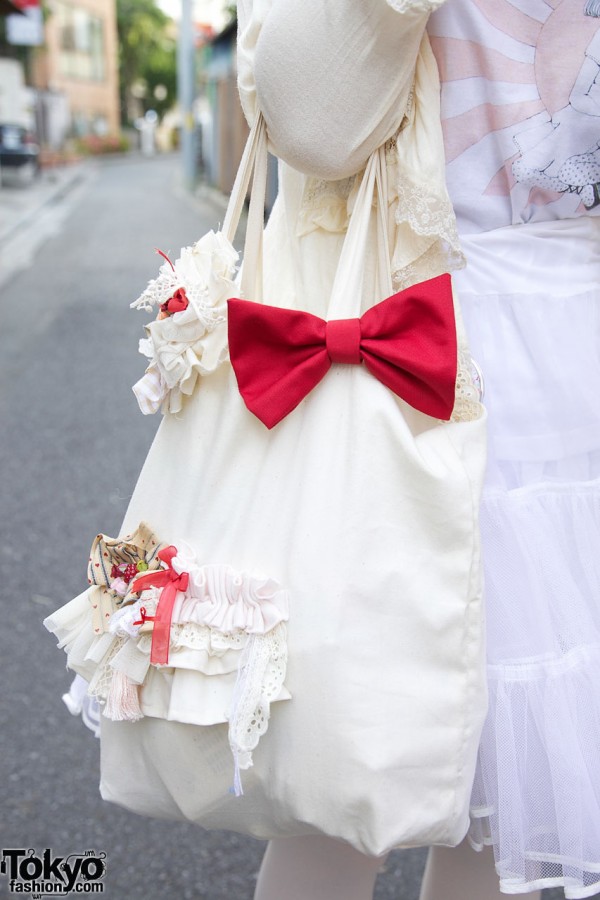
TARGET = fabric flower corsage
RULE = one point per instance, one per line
(189, 337)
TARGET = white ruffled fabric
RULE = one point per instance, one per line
(222, 599)
(193, 342)
(227, 654)
(536, 796)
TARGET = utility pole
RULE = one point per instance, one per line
(186, 71)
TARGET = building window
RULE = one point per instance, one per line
(81, 39)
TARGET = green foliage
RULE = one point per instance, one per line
(147, 54)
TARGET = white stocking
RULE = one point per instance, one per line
(315, 867)
(461, 872)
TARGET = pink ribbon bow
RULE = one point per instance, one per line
(407, 341)
(171, 582)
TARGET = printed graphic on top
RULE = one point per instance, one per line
(520, 108)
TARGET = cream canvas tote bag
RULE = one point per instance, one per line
(323, 668)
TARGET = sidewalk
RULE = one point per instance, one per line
(33, 211)
(20, 201)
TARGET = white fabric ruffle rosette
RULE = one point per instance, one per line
(193, 342)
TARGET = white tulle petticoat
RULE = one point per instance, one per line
(531, 302)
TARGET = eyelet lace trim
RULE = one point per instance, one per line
(200, 637)
(261, 674)
(469, 389)
(99, 686)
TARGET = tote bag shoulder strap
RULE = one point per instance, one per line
(346, 295)
(253, 159)
(349, 283)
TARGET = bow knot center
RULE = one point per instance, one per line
(343, 341)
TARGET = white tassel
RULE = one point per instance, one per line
(239, 694)
(123, 702)
(238, 790)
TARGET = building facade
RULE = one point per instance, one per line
(222, 124)
(79, 61)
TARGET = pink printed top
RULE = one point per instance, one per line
(520, 108)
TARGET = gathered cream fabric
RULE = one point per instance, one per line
(333, 80)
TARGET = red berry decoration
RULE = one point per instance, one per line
(130, 572)
(177, 303)
(115, 572)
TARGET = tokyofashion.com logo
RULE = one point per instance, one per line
(38, 874)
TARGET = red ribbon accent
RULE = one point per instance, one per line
(145, 617)
(170, 581)
(164, 256)
(177, 303)
(408, 342)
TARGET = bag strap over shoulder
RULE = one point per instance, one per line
(346, 295)
(253, 159)
(348, 286)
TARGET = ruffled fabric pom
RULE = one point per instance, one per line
(191, 342)
(221, 598)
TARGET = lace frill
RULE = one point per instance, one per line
(423, 234)
(192, 342)
(227, 647)
(325, 205)
(469, 388)
(426, 241)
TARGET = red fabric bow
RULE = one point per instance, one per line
(177, 303)
(408, 342)
(171, 582)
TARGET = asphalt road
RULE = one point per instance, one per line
(72, 443)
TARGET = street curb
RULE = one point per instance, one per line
(71, 181)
